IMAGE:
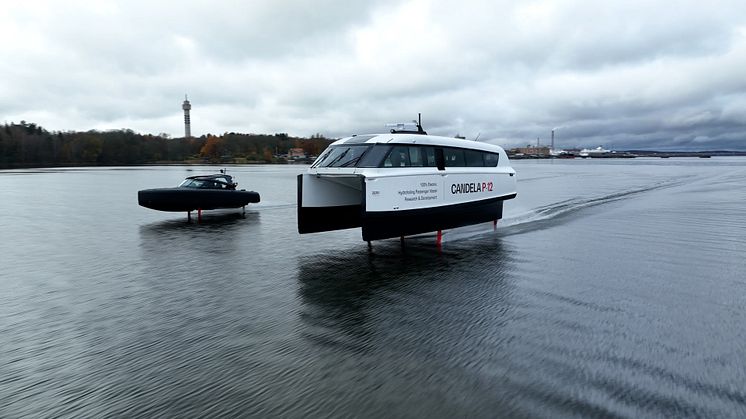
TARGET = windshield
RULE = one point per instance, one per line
(190, 183)
(204, 184)
(342, 156)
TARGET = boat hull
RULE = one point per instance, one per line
(384, 225)
(343, 212)
(186, 199)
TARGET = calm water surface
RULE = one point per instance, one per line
(612, 288)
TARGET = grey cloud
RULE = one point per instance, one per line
(632, 74)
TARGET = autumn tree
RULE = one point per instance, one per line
(213, 147)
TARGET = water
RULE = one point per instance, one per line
(610, 289)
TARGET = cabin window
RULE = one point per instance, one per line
(322, 157)
(430, 157)
(374, 156)
(474, 158)
(454, 157)
(427, 156)
(342, 156)
(410, 156)
(397, 157)
(415, 156)
(422, 156)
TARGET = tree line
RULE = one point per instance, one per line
(29, 145)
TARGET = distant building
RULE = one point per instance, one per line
(296, 153)
(187, 125)
(532, 151)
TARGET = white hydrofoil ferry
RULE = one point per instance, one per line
(403, 183)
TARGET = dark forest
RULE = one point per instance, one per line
(29, 145)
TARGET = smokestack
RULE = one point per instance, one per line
(552, 139)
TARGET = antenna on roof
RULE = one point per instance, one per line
(419, 124)
(478, 134)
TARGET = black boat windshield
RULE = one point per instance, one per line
(342, 155)
(204, 184)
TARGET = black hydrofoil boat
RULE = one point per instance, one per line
(204, 192)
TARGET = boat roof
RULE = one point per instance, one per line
(221, 176)
(413, 138)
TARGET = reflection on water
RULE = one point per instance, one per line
(411, 320)
(349, 279)
(211, 221)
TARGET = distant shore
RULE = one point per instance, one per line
(627, 154)
(27, 145)
(18, 166)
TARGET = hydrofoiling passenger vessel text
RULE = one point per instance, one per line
(404, 183)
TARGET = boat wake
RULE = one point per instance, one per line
(552, 214)
(271, 206)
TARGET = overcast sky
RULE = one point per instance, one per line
(622, 74)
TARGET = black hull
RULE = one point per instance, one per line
(186, 199)
(315, 220)
(385, 225)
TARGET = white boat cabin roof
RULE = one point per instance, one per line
(433, 140)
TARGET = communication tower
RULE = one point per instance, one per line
(187, 125)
